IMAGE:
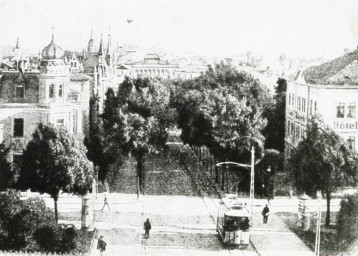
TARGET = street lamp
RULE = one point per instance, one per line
(252, 174)
(263, 180)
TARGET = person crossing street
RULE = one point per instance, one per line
(105, 203)
(147, 228)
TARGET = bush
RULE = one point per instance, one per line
(347, 221)
(19, 219)
(29, 225)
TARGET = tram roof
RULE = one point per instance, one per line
(238, 213)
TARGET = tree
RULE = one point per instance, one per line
(55, 160)
(322, 161)
(19, 220)
(347, 221)
(139, 120)
(6, 174)
(223, 110)
(275, 113)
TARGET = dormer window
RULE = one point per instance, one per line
(51, 92)
(19, 91)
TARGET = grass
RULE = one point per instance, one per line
(329, 241)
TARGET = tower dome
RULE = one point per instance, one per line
(52, 51)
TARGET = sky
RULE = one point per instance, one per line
(301, 28)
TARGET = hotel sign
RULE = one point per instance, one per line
(345, 125)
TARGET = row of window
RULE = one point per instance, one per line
(51, 92)
(295, 131)
(20, 91)
(300, 103)
(19, 126)
(341, 110)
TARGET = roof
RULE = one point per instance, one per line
(79, 77)
(341, 70)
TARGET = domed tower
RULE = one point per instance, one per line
(91, 47)
(54, 74)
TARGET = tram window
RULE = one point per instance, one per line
(244, 223)
(231, 223)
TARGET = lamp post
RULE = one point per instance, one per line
(318, 228)
(263, 180)
(252, 174)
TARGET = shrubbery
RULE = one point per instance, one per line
(29, 225)
(347, 221)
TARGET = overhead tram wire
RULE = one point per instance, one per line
(201, 193)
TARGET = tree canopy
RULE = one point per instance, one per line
(222, 110)
(55, 160)
(322, 161)
(6, 174)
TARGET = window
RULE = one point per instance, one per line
(18, 127)
(352, 142)
(340, 110)
(293, 100)
(315, 106)
(351, 110)
(51, 92)
(311, 107)
(299, 103)
(19, 91)
(60, 123)
(60, 90)
(288, 127)
(289, 99)
(303, 105)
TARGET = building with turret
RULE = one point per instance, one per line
(51, 95)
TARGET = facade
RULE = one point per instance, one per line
(51, 95)
(152, 67)
(330, 90)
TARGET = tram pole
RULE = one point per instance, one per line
(252, 183)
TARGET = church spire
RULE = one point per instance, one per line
(109, 46)
(100, 51)
(17, 43)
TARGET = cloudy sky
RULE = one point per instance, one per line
(216, 27)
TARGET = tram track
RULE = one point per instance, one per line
(201, 192)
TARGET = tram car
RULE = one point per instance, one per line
(233, 222)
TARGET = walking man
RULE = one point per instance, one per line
(265, 213)
(147, 227)
(101, 245)
(105, 203)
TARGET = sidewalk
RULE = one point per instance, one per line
(274, 238)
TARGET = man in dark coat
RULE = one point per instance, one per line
(147, 227)
(101, 245)
(265, 213)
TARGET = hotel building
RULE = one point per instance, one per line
(331, 90)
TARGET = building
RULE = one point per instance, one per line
(152, 67)
(331, 90)
(51, 95)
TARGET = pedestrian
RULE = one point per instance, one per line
(105, 202)
(265, 213)
(147, 227)
(101, 245)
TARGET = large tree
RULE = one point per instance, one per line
(55, 160)
(322, 161)
(275, 113)
(139, 121)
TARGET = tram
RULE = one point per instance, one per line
(233, 222)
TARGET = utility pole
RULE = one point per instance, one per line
(252, 183)
(318, 229)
